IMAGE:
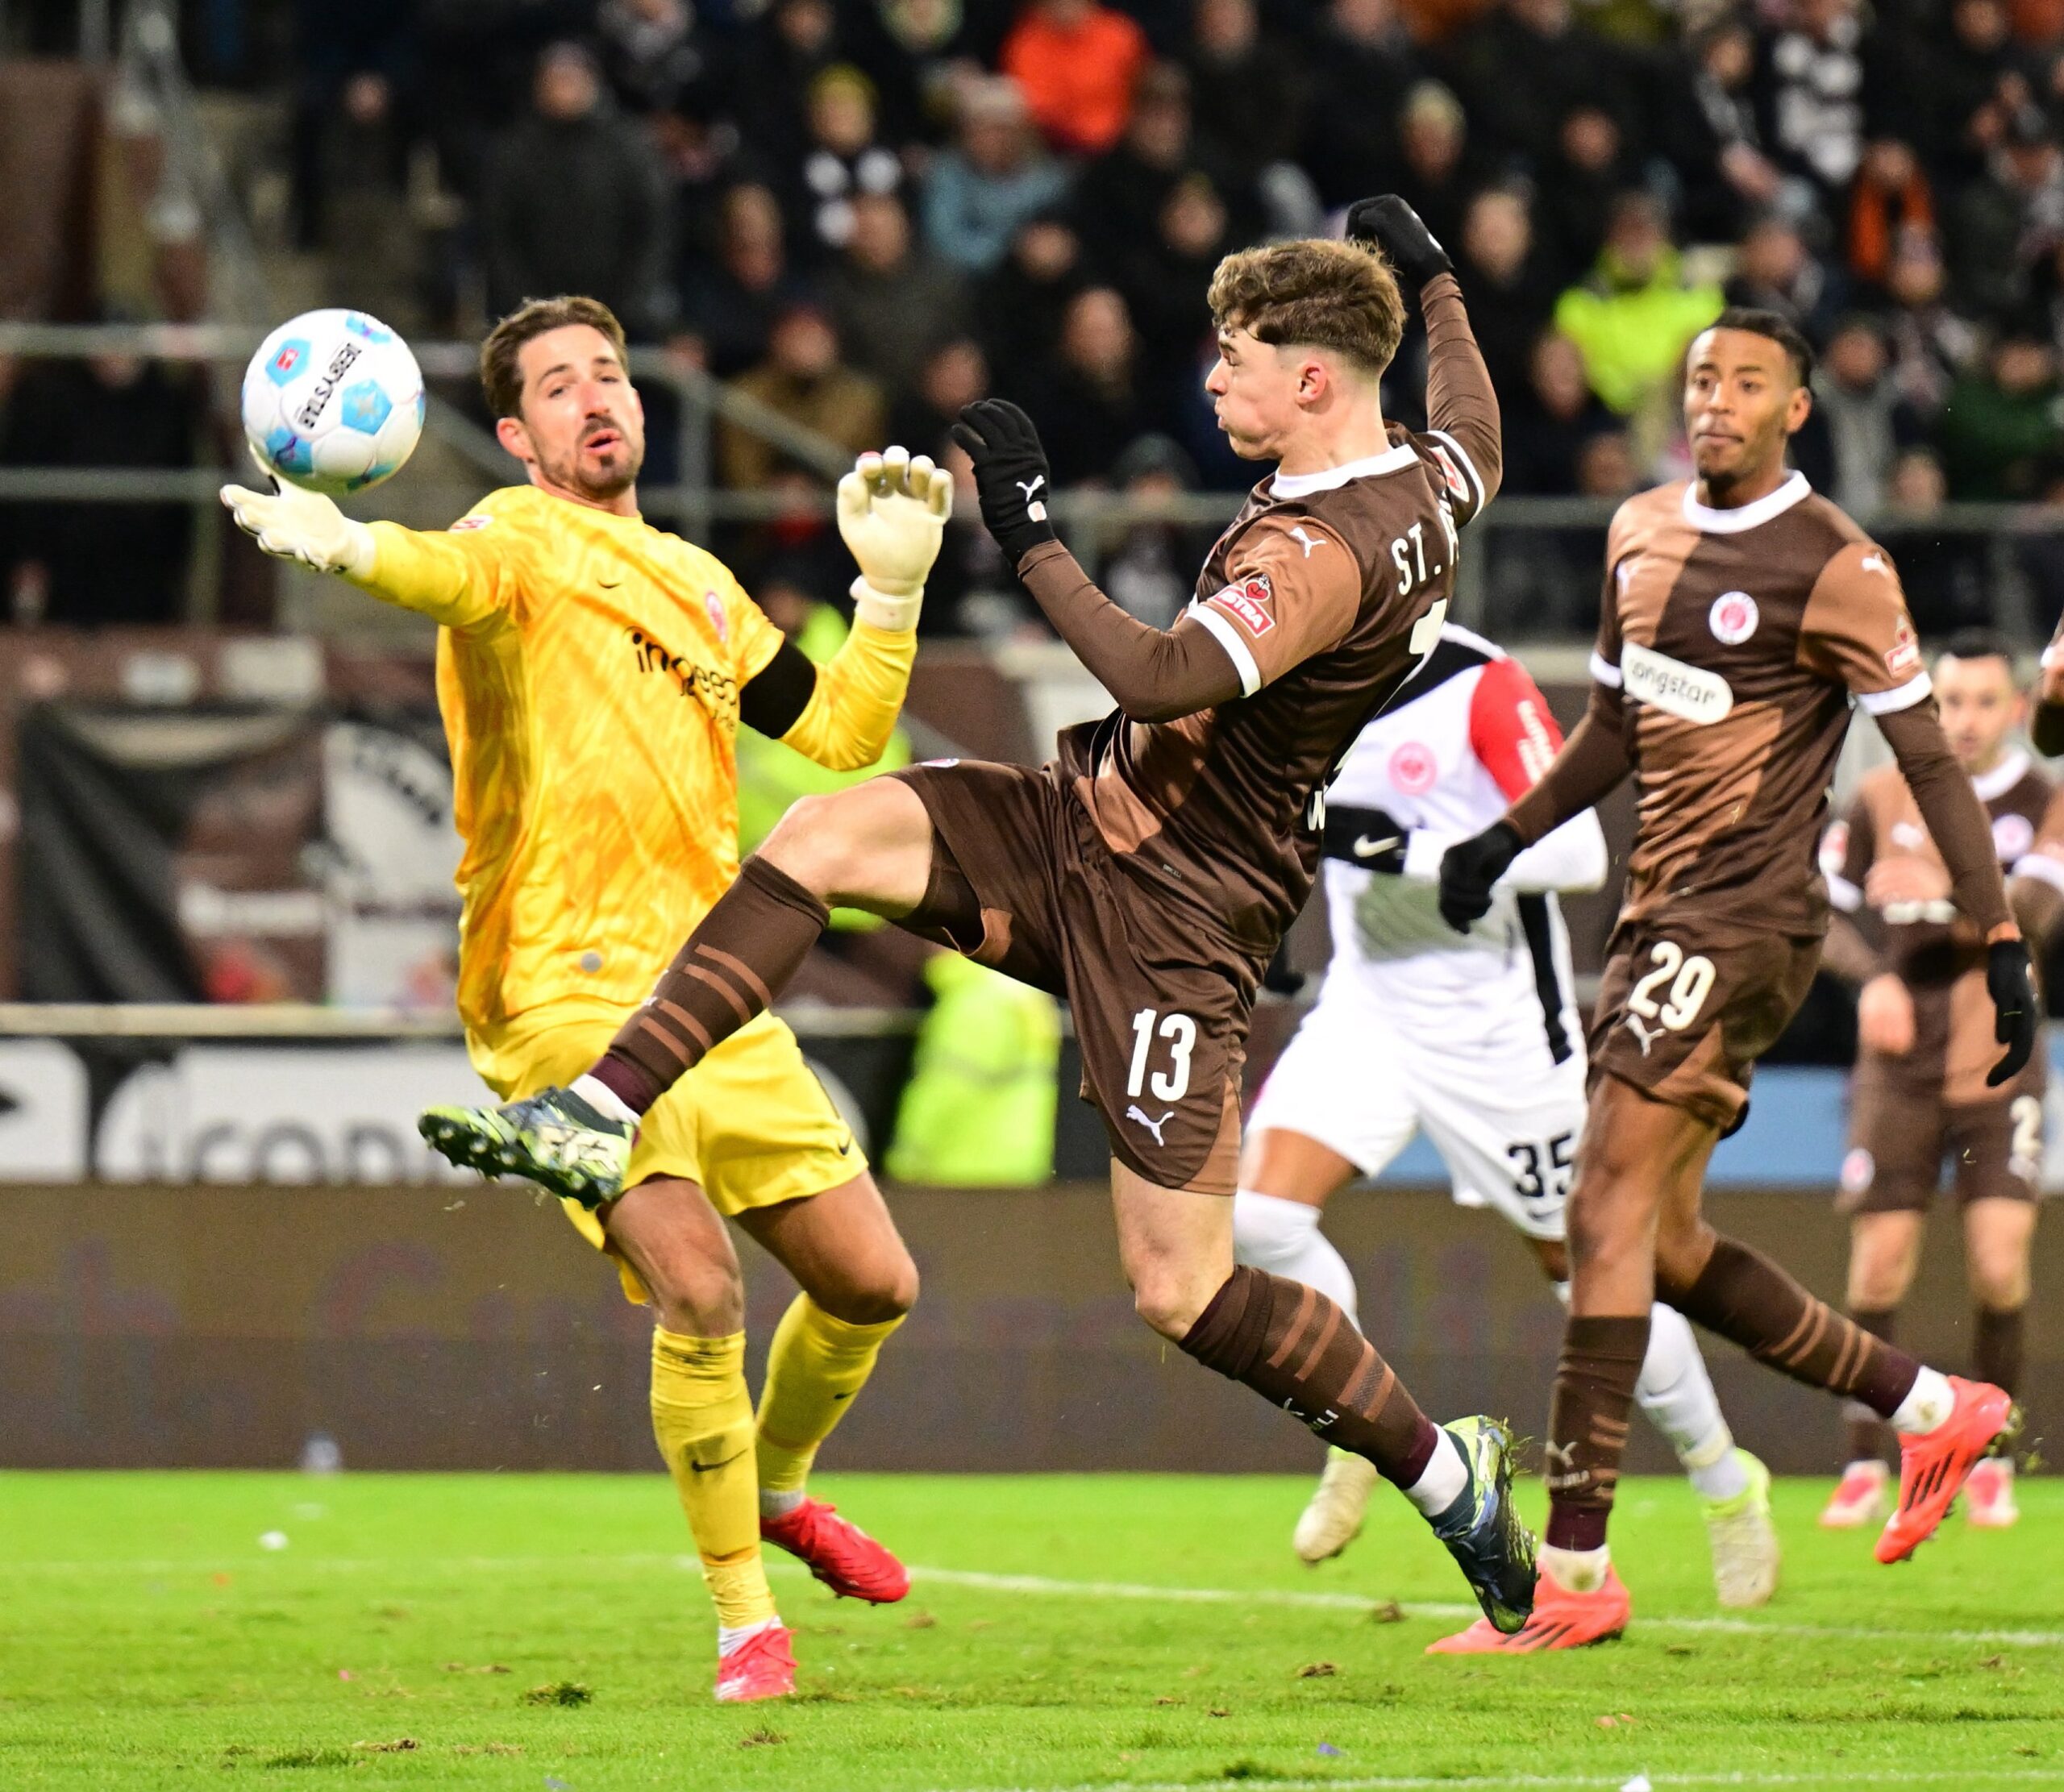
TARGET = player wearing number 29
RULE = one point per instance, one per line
(1147, 873)
(1742, 616)
(1470, 1040)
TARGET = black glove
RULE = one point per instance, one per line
(1372, 838)
(1470, 868)
(2010, 983)
(1010, 474)
(1398, 231)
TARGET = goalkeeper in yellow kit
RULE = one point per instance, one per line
(593, 672)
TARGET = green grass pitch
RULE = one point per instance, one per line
(1065, 1632)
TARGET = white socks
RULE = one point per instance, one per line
(1928, 1403)
(1576, 1570)
(728, 1638)
(1444, 1481)
(604, 1099)
(779, 1505)
(1677, 1394)
(1284, 1238)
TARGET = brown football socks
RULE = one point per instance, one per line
(1299, 1351)
(1869, 1439)
(1744, 1297)
(748, 946)
(1595, 1380)
(1996, 1350)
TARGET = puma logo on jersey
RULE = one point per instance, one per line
(1135, 1112)
(1640, 1029)
(1307, 541)
(1873, 562)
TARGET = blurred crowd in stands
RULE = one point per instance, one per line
(867, 212)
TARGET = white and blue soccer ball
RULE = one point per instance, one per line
(333, 401)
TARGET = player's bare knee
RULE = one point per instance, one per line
(876, 1299)
(1682, 1253)
(812, 844)
(1999, 1281)
(1171, 1304)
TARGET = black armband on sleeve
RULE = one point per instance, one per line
(775, 698)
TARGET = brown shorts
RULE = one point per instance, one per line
(1899, 1136)
(1161, 1000)
(1685, 1008)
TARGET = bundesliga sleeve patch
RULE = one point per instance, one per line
(1248, 604)
(465, 523)
(1902, 658)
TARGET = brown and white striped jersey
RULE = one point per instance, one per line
(1938, 953)
(1734, 642)
(1327, 591)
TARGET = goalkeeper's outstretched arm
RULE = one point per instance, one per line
(892, 510)
(444, 576)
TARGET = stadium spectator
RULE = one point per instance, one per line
(1549, 420)
(1969, 86)
(1363, 64)
(1089, 406)
(1528, 65)
(91, 565)
(1510, 285)
(1607, 469)
(1580, 184)
(1778, 272)
(575, 202)
(1931, 344)
(1865, 422)
(729, 306)
(843, 161)
(1891, 196)
(1166, 280)
(1437, 177)
(892, 301)
(1118, 199)
(1998, 431)
(1019, 308)
(355, 67)
(1721, 86)
(955, 375)
(1150, 569)
(1248, 89)
(1077, 61)
(1944, 576)
(649, 51)
(787, 49)
(995, 177)
(1816, 82)
(803, 381)
(2004, 223)
(1633, 317)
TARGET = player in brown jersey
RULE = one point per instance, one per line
(1924, 1030)
(1148, 872)
(1742, 616)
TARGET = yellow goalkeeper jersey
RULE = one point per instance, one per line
(589, 669)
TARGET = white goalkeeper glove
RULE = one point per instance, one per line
(296, 525)
(893, 508)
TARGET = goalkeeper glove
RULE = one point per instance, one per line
(2010, 984)
(1399, 231)
(892, 510)
(296, 525)
(1470, 868)
(1010, 475)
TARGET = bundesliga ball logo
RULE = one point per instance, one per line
(333, 401)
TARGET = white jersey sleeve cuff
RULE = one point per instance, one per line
(1604, 671)
(1237, 650)
(2040, 866)
(1423, 851)
(1844, 895)
(1900, 696)
(1468, 470)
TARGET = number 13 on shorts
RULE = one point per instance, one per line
(1178, 1032)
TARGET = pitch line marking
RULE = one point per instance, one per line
(1662, 1778)
(1035, 1584)
(1040, 1584)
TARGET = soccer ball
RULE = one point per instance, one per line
(333, 401)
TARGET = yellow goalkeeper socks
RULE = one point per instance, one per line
(702, 1419)
(815, 1366)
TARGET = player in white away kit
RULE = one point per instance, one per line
(1473, 1038)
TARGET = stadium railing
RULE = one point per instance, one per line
(1532, 576)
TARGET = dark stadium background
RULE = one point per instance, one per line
(829, 223)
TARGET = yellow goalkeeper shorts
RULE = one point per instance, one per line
(751, 1125)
